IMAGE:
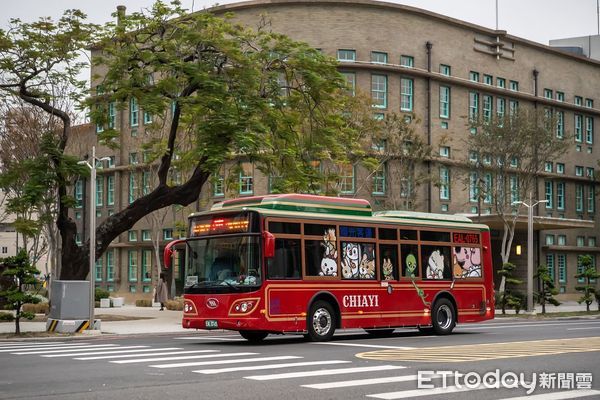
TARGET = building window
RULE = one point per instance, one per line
(146, 265)
(132, 236)
(218, 185)
(578, 170)
(549, 193)
(246, 179)
(548, 166)
(132, 266)
(444, 102)
(111, 162)
(99, 191)
(444, 183)
(134, 112)
(514, 86)
(379, 180)
(406, 94)
(578, 100)
(77, 214)
(579, 197)
(445, 69)
(560, 124)
(589, 130)
(350, 82)
(110, 190)
(578, 128)
(407, 61)
(589, 172)
(589, 103)
(549, 240)
(473, 187)
(560, 168)
(513, 107)
(562, 240)
(379, 57)
(346, 55)
(500, 109)
(167, 234)
(474, 76)
(488, 79)
(78, 193)
(98, 270)
(548, 93)
(132, 187)
(146, 235)
(110, 265)
(147, 118)
(560, 195)
(112, 115)
(560, 96)
(473, 106)
(488, 182)
(146, 178)
(445, 151)
(487, 108)
(562, 268)
(346, 181)
(591, 200)
(501, 83)
(592, 241)
(379, 90)
(550, 265)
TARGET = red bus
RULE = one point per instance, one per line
(312, 264)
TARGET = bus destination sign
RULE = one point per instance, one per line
(219, 225)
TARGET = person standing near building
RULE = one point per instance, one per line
(160, 296)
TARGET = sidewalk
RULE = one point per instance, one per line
(152, 321)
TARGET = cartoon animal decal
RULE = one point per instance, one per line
(467, 262)
(366, 269)
(411, 267)
(329, 261)
(435, 265)
(351, 260)
(388, 269)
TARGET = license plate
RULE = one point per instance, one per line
(211, 324)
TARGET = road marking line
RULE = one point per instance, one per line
(183, 358)
(70, 349)
(322, 372)
(16, 346)
(571, 394)
(524, 325)
(117, 351)
(238, 360)
(366, 345)
(168, 353)
(363, 382)
(268, 366)
(576, 329)
(231, 339)
(38, 347)
(407, 394)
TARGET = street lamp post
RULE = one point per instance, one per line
(92, 205)
(530, 248)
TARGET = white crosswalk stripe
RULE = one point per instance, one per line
(269, 366)
(323, 372)
(12, 346)
(362, 382)
(161, 352)
(119, 350)
(409, 394)
(39, 347)
(234, 361)
(186, 357)
(68, 349)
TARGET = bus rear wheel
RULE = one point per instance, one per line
(321, 321)
(254, 336)
(443, 317)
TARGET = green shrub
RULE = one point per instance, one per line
(101, 294)
(39, 308)
(176, 304)
(143, 303)
(6, 316)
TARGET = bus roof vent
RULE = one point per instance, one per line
(422, 216)
(301, 203)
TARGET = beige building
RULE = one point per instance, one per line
(412, 61)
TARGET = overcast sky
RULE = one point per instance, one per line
(537, 20)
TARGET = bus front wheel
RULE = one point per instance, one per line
(321, 321)
(254, 336)
(443, 317)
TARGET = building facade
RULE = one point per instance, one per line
(435, 69)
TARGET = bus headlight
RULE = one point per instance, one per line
(244, 306)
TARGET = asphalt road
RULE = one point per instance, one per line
(562, 355)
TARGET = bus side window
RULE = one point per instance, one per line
(410, 259)
(436, 262)
(388, 262)
(286, 262)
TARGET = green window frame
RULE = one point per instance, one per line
(379, 57)
(579, 197)
(146, 265)
(133, 188)
(560, 124)
(346, 55)
(591, 199)
(99, 191)
(347, 179)
(98, 270)
(246, 179)
(578, 128)
(379, 183)
(501, 83)
(134, 112)
(112, 115)
(146, 180)
(350, 82)
(379, 90)
(444, 102)
(110, 265)
(562, 268)
(487, 108)
(488, 79)
(474, 76)
(589, 130)
(219, 185)
(560, 195)
(514, 188)
(132, 265)
(514, 86)
(550, 265)
(110, 189)
(445, 69)
(146, 235)
(473, 106)
(78, 193)
(549, 194)
(473, 187)
(147, 118)
(406, 94)
(407, 61)
(132, 236)
(444, 183)
(548, 93)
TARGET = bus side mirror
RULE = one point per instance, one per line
(168, 253)
(268, 244)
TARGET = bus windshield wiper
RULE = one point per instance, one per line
(227, 283)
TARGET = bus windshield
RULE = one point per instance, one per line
(223, 262)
